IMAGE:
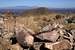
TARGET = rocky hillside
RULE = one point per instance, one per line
(30, 30)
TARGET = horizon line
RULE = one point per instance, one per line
(36, 6)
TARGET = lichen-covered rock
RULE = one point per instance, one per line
(51, 36)
(64, 44)
(24, 37)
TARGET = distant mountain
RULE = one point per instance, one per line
(36, 10)
(63, 10)
(46, 11)
(15, 9)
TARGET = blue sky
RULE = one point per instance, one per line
(41, 3)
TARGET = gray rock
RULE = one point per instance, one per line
(51, 36)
